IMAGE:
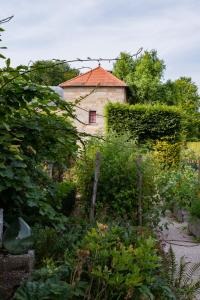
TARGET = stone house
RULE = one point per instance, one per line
(90, 92)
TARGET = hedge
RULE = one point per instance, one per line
(144, 122)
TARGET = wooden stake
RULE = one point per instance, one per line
(94, 193)
(139, 175)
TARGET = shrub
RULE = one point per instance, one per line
(118, 191)
(51, 282)
(145, 122)
(195, 207)
(178, 187)
(167, 154)
(112, 262)
(66, 196)
(51, 243)
(120, 265)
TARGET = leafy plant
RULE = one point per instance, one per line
(29, 126)
(50, 283)
(178, 186)
(118, 191)
(195, 207)
(66, 196)
(120, 265)
(181, 277)
(53, 243)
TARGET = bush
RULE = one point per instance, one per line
(120, 265)
(167, 154)
(66, 196)
(191, 126)
(112, 262)
(178, 187)
(195, 207)
(145, 122)
(118, 191)
(51, 243)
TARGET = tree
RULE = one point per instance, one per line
(142, 75)
(124, 66)
(144, 79)
(182, 92)
(51, 72)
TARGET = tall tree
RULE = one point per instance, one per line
(51, 72)
(143, 75)
(182, 92)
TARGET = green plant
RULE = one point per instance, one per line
(178, 186)
(181, 277)
(50, 282)
(166, 153)
(195, 207)
(118, 186)
(29, 126)
(53, 243)
(145, 122)
(66, 196)
(120, 264)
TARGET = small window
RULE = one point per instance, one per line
(92, 116)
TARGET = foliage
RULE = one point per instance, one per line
(120, 266)
(111, 262)
(191, 126)
(118, 190)
(143, 76)
(178, 186)
(195, 207)
(51, 72)
(145, 122)
(181, 277)
(50, 283)
(167, 154)
(29, 126)
(65, 196)
(182, 92)
(53, 243)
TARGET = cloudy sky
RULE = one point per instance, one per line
(67, 29)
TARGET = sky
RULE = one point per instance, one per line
(68, 29)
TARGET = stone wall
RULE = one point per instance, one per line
(96, 100)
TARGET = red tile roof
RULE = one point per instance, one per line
(95, 77)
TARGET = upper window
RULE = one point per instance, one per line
(92, 116)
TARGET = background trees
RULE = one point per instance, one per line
(51, 72)
(144, 77)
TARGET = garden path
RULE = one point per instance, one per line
(182, 243)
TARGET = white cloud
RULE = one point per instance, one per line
(68, 29)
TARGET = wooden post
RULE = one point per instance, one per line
(139, 175)
(96, 179)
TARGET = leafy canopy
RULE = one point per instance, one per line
(51, 72)
(144, 77)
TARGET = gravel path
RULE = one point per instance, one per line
(182, 243)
